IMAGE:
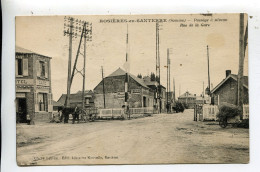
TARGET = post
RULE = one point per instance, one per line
(169, 79)
(84, 72)
(67, 101)
(103, 80)
(160, 88)
(208, 69)
(167, 88)
(241, 63)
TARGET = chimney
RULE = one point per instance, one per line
(228, 72)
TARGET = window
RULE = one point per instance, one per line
(86, 101)
(42, 69)
(42, 100)
(19, 66)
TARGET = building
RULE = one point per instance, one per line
(188, 99)
(33, 86)
(141, 94)
(154, 85)
(76, 99)
(226, 91)
(56, 105)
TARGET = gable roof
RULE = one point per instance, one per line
(187, 94)
(245, 80)
(120, 72)
(74, 98)
(26, 51)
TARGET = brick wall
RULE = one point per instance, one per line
(228, 93)
(114, 92)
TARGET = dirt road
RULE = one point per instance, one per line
(162, 138)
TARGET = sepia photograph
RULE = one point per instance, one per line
(132, 89)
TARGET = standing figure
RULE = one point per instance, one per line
(76, 115)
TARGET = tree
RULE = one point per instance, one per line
(152, 76)
(140, 76)
(157, 78)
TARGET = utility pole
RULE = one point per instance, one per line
(84, 69)
(158, 69)
(169, 78)
(103, 81)
(73, 31)
(69, 32)
(208, 70)
(203, 90)
(126, 76)
(173, 90)
(241, 62)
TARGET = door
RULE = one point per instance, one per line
(22, 110)
(144, 101)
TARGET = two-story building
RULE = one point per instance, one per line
(140, 94)
(33, 86)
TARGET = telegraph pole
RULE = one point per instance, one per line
(103, 80)
(126, 75)
(158, 69)
(69, 32)
(73, 31)
(208, 70)
(241, 62)
(84, 70)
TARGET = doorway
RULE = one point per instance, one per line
(21, 110)
(144, 101)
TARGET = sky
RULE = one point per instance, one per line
(188, 54)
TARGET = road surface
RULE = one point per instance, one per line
(161, 138)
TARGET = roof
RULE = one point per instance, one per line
(187, 94)
(74, 98)
(26, 51)
(54, 103)
(245, 80)
(120, 72)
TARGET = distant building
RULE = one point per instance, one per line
(226, 91)
(33, 85)
(188, 98)
(76, 99)
(141, 93)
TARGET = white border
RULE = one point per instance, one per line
(12, 8)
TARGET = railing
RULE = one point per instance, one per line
(142, 110)
(209, 112)
(117, 113)
(245, 111)
(110, 113)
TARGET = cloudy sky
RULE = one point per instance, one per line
(44, 35)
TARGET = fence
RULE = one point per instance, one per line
(110, 113)
(210, 112)
(118, 113)
(245, 111)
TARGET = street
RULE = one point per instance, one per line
(161, 138)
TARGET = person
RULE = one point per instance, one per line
(76, 114)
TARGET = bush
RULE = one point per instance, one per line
(228, 111)
(179, 107)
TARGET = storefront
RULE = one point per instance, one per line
(33, 86)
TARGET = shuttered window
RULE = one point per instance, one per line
(19, 67)
(46, 69)
(25, 67)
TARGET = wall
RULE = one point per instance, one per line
(115, 93)
(228, 93)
